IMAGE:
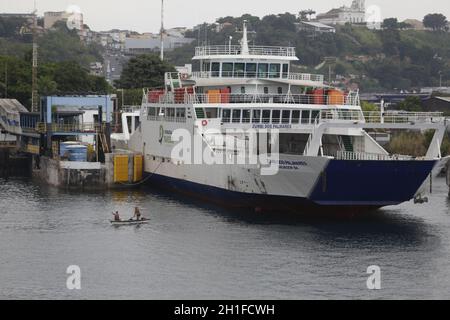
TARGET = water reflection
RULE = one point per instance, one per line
(195, 250)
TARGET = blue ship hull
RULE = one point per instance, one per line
(345, 185)
(373, 183)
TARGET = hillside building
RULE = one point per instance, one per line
(314, 27)
(355, 14)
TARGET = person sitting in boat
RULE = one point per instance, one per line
(116, 216)
(137, 214)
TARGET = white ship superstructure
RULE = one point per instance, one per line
(325, 159)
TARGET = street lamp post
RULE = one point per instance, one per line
(123, 99)
(6, 79)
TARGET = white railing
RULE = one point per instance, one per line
(131, 109)
(401, 117)
(258, 75)
(375, 117)
(364, 156)
(341, 115)
(306, 77)
(237, 50)
(227, 98)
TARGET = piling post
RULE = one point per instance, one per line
(6, 170)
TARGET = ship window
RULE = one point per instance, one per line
(137, 122)
(206, 66)
(266, 116)
(315, 115)
(171, 113)
(276, 116)
(181, 113)
(129, 125)
(211, 113)
(295, 116)
(256, 116)
(250, 70)
(305, 116)
(151, 112)
(275, 69)
(226, 115)
(243, 90)
(280, 90)
(215, 69)
(239, 70)
(237, 115)
(246, 116)
(263, 69)
(266, 90)
(286, 116)
(227, 70)
(285, 71)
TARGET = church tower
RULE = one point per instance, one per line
(359, 5)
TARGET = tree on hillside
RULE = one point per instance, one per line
(412, 104)
(404, 25)
(62, 44)
(305, 15)
(390, 23)
(10, 26)
(369, 107)
(436, 22)
(144, 71)
(391, 41)
(71, 78)
(54, 78)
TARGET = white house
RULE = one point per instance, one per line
(343, 15)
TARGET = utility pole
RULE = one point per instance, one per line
(6, 79)
(330, 61)
(162, 30)
(34, 93)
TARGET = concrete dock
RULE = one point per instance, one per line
(90, 175)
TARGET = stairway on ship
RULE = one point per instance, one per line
(200, 113)
(348, 143)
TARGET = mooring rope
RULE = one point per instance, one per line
(144, 180)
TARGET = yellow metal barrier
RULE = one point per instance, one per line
(32, 149)
(138, 168)
(8, 144)
(120, 168)
(41, 127)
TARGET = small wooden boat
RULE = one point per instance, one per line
(130, 222)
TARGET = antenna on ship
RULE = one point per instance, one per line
(162, 30)
(244, 41)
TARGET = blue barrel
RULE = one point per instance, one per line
(64, 145)
(78, 153)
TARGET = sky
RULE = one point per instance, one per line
(144, 15)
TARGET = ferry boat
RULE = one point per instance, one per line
(326, 158)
